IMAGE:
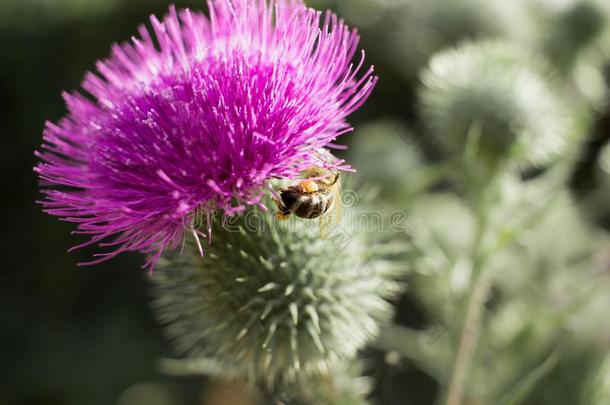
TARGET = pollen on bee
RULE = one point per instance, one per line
(282, 216)
(309, 186)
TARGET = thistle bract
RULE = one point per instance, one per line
(201, 121)
(273, 302)
(495, 91)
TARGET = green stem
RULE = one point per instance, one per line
(478, 295)
(468, 341)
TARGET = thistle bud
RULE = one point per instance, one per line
(492, 93)
(271, 300)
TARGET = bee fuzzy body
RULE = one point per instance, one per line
(307, 205)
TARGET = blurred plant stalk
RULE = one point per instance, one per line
(468, 341)
(475, 306)
(484, 196)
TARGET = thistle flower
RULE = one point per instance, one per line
(275, 303)
(495, 89)
(201, 122)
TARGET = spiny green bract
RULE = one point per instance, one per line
(270, 301)
(493, 90)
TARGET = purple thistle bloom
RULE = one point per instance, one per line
(200, 122)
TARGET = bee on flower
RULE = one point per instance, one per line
(196, 116)
(318, 195)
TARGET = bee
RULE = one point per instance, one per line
(317, 196)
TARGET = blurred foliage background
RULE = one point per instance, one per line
(87, 336)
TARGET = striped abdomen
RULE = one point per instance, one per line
(307, 205)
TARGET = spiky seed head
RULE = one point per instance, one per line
(270, 301)
(493, 90)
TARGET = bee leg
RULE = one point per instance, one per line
(335, 180)
(283, 213)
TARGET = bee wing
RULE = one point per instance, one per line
(333, 217)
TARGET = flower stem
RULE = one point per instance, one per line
(468, 341)
(474, 311)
